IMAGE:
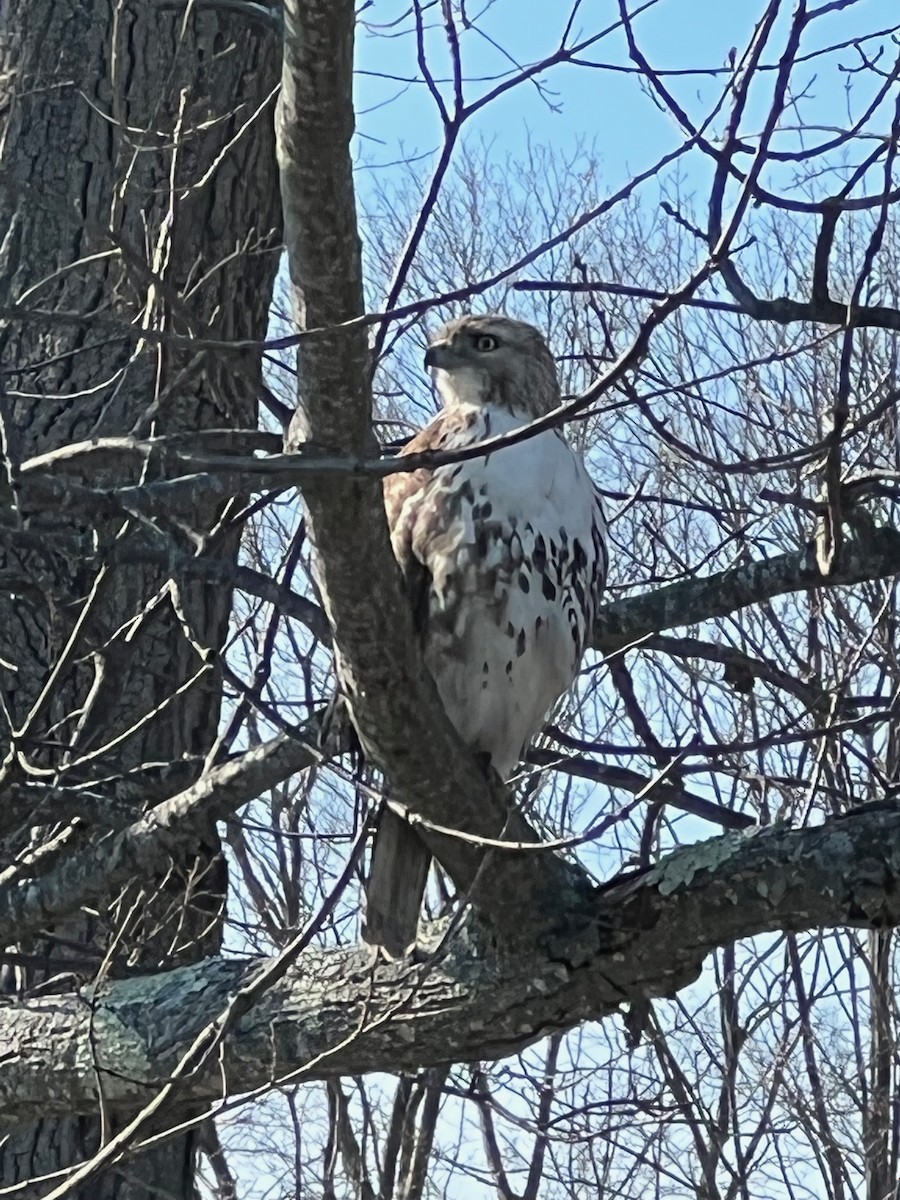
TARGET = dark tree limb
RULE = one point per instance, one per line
(341, 1012)
(874, 554)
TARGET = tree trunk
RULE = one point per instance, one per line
(138, 195)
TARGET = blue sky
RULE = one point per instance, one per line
(586, 104)
(607, 108)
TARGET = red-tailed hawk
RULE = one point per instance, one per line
(504, 559)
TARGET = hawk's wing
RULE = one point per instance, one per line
(397, 490)
(400, 861)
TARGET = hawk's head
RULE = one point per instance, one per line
(493, 359)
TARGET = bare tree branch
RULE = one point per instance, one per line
(341, 1012)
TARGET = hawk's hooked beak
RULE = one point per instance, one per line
(440, 354)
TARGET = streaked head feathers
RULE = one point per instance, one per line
(493, 359)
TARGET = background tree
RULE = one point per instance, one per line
(724, 323)
(138, 199)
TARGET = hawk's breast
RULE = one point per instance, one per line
(513, 547)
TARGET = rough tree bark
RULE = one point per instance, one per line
(337, 1012)
(139, 193)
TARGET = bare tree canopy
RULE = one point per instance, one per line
(661, 957)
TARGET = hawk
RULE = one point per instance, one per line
(504, 558)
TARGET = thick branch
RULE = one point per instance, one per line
(874, 555)
(342, 1012)
(166, 832)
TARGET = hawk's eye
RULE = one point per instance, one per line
(485, 342)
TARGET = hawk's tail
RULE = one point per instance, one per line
(397, 875)
(398, 868)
